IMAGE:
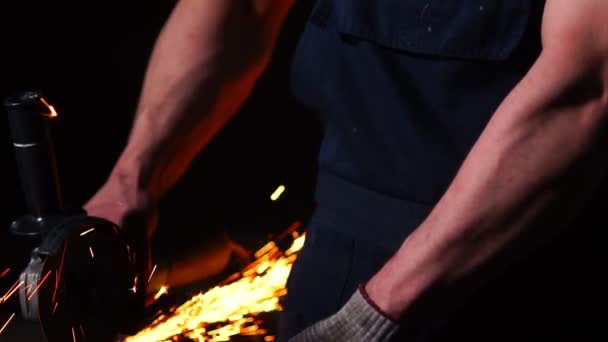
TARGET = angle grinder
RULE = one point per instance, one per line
(81, 281)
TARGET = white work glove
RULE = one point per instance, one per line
(357, 320)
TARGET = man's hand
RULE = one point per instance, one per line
(358, 320)
(128, 210)
(133, 211)
(120, 202)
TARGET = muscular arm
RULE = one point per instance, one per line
(204, 64)
(534, 166)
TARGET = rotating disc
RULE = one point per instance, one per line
(81, 291)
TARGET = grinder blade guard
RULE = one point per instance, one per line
(80, 282)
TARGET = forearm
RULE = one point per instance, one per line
(529, 173)
(204, 64)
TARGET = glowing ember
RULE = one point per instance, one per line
(277, 193)
(163, 290)
(52, 112)
(230, 309)
(298, 243)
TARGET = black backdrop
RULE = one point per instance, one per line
(89, 58)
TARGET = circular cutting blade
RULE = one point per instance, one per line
(81, 292)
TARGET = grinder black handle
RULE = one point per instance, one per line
(29, 116)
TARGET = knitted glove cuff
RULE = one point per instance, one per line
(374, 305)
(356, 321)
(364, 316)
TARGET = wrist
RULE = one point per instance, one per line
(402, 286)
(132, 173)
(366, 317)
(388, 294)
(372, 304)
(122, 193)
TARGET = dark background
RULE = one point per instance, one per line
(89, 58)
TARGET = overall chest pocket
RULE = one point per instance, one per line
(463, 29)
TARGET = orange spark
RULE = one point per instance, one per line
(55, 307)
(298, 243)
(7, 322)
(4, 273)
(9, 290)
(82, 331)
(163, 290)
(58, 275)
(91, 251)
(277, 193)
(152, 273)
(229, 309)
(39, 285)
(53, 112)
(12, 292)
(264, 250)
(73, 334)
(292, 229)
(87, 231)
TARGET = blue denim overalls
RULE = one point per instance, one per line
(403, 88)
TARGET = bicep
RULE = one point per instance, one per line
(214, 18)
(572, 68)
(571, 73)
(577, 30)
(240, 32)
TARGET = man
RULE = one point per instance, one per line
(461, 139)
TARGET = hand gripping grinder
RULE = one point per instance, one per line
(80, 283)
